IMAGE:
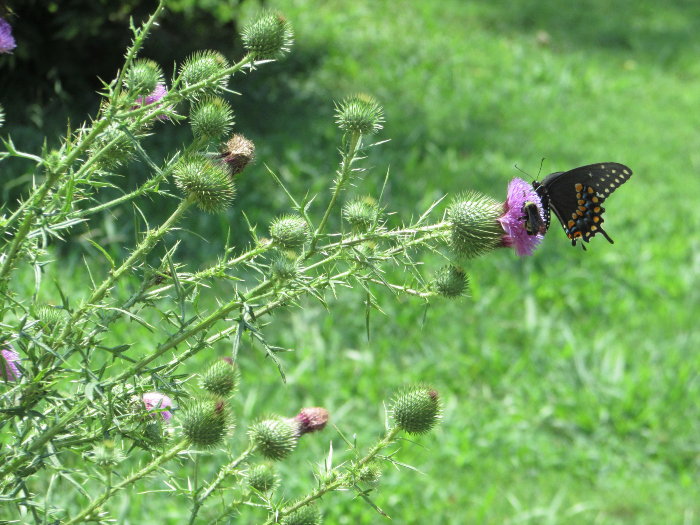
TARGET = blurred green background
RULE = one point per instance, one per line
(570, 379)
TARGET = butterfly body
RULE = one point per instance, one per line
(576, 197)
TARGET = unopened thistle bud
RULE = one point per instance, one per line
(206, 422)
(475, 229)
(359, 114)
(153, 432)
(269, 37)
(205, 182)
(361, 213)
(370, 474)
(222, 378)
(275, 437)
(49, 316)
(263, 477)
(143, 77)
(238, 153)
(416, 409)
(283, 268)
(106, 455)
(115, 147)
(289, 232)
(311, 419)
(201, 66)
(451, 282)
(211, 118)
(306, 515)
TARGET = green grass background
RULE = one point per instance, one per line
(570, 378)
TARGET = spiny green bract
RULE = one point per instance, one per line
(359, 113)
(208, 184)
(289, 232)
(206, 422)
(211, 118)
(307, 515)
(263, 477)
(451, 282)
(204, 65)
(416, 409)
(143, 76)
(221, 379)
(269, 37)
(275, 437)
(283, 268)
(474, 224)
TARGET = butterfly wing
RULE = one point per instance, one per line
(576, 197)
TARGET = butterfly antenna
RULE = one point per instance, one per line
(521, 171)
(540, 170)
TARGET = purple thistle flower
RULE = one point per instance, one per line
(158, 401)
(7, 41)
(158, 93)
(512, 220)
(311, 419)
(8, 369)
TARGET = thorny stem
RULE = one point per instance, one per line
(95, 503)
(328, 486)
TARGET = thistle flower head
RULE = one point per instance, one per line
(306, 515)
(7, 41)
(143, 78)
(311, 419)
(158, 93)
(211, 118)
(238, 153)
(205, 182)
(361, 213)
(202, 66)
(513, 218)
(359, 113)
(451, 282)
(289, 232)
(221, 379)
(158, 402)
(274, 437)
(206, 422)
(370, 474)
(475, 229)
(263, 477)
(416, 409)
(9, 371)
(269, 37)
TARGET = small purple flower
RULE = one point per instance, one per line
(158, 93)
(311, 419)
(512, 220)
(8, 368)
(155, 401)
(7, 41)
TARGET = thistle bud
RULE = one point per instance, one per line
(211, 118)
(205, 182)
(289, 232)
(311, 419)
(361, 213)
(143, 77)
(451, 282)
(359, 114)
(153, 432)
(269, 37)
(475, 229)
(416, 409)
(370, 474)
(306, 515)
(204, 65)
(283, 268)
(275, 437)
(206, 422)
(263, 477)
(50, 317)
(221, 379)
(238, 153)
(106, 455)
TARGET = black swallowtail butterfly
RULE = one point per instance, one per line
(533, 221)
(577, 196)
